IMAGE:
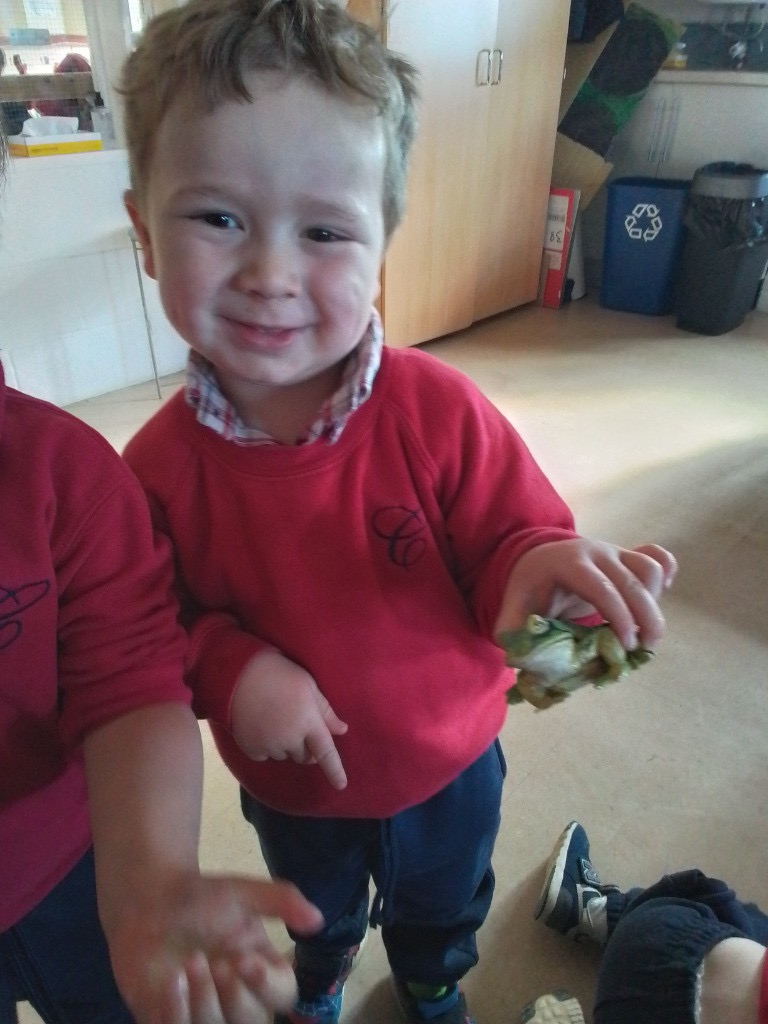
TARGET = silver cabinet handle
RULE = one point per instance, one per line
(669, 136)
(485, 60)
(497, 64)
(658, 119)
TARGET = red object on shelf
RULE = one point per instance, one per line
(558, 239)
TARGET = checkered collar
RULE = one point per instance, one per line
(212, 409)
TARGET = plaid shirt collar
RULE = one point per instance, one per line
(203, 394)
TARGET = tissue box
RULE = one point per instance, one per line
(53, 145)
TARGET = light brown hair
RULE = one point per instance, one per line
(202, 52)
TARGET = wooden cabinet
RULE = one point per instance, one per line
(490, 75)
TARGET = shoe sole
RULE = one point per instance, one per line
(553, 1008)
(554, 873)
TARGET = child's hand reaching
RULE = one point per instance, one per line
(185, 948)
(195, 951)
(571, 579)
(279, 712)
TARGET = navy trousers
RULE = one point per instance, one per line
(657, 939)
(431, 865)
(56, 958)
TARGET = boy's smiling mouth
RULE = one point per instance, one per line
(254, 333)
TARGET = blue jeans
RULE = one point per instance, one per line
(431, 865)
(56, 958)
(657, 939)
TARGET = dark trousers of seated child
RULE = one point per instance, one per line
(431, 865)
(56, 958)
(657, 939)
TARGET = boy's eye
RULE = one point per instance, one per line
(218, 220)
(323, 235)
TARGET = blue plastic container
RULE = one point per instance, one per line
(644, 235)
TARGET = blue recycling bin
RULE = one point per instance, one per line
(644, 235)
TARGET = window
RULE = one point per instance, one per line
(137, 15)
(44, 32)
(38, 34)
(46, 61)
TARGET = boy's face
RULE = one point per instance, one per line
(263, 226)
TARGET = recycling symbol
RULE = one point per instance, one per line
(644, 223)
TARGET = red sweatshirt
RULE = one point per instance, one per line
(377, 563)
(86, 632)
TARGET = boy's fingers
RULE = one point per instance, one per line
(557, 602)
(624, 603)
(272, 981)
(251, 999)
(331, 719)
(622, 586)
(167, 1005)
(334, 724)
(284, 901)
(613, 590)
(647, 571)
(664, 559)
(321, 747)
(638, 580)
(202, 994)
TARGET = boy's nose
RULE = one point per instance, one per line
(270, 271)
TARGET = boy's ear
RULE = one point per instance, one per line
(141, 232)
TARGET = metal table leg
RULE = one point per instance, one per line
(136, 246)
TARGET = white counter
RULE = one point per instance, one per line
(73, 323)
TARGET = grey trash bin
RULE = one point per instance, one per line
(725, 255)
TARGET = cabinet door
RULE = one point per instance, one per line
(643, 144)
(636, 150)
(518, 151)
(678, 128)
(714, 123)
(428, 282)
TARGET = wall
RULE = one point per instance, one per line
(687, 10)
(693, 10)
(73, 325)
(73, 321)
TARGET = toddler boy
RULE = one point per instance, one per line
(352, 525)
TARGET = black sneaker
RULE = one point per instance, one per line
(574, 900)
(553, 1008)
(451, 1009)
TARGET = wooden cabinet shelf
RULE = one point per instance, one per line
(67, 85)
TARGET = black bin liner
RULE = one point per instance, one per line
(725, 255)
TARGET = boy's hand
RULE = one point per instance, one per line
(279, 712)
(571, 579)
(196, 952)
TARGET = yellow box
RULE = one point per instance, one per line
(53, 145)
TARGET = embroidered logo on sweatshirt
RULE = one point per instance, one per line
(404, 531)
(13, 602)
